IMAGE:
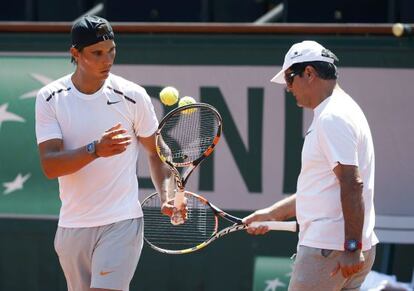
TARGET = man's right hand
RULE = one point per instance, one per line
(258, 215)
(113, 141)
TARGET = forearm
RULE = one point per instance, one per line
(283, 209)
(56, 161)
(353, 208)
(161, 176)
(61, 163)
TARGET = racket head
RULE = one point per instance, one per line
(194, 234)
(188, 134)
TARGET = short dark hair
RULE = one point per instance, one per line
(72, 60)
(325, 70)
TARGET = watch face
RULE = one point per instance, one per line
(90, 148)
(351, 245)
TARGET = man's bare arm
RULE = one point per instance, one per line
(160, 173)
(353, 207)
(56, 161)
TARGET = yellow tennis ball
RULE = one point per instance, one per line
(169, 96)
(185, 101)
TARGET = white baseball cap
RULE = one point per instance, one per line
(305, 51)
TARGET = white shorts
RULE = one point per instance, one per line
(100, 257)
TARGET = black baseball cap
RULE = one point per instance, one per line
(89, 30)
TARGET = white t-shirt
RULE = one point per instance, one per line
(339, 133)
(106, 190)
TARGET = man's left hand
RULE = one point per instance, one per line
(349, 263)
(168, 208)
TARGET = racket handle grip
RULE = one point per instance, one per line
(276, 225)
(176, 217)
(178, 199)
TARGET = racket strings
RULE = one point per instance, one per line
(200, 225)
(187, 135)
(187, 234)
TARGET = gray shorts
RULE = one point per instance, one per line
(100, 257)
(312, 268)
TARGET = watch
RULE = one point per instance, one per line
(351, 245)
(91, 149)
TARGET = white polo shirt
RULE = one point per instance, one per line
(339, 133)
(106, 190)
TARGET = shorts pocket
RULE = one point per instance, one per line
(326, 253)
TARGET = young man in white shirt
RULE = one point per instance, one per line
(88, 125)
(335, 189)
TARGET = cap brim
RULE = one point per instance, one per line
(279, 78)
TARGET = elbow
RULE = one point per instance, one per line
(356, 186)
(48, 172)
(352, 183)
(49, 175)
(359, 185)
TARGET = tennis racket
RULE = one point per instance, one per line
(200, 228)
(185, 137)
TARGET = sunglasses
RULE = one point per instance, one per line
(289, 77)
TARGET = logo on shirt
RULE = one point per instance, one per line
(114, 102)
(103, 273)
